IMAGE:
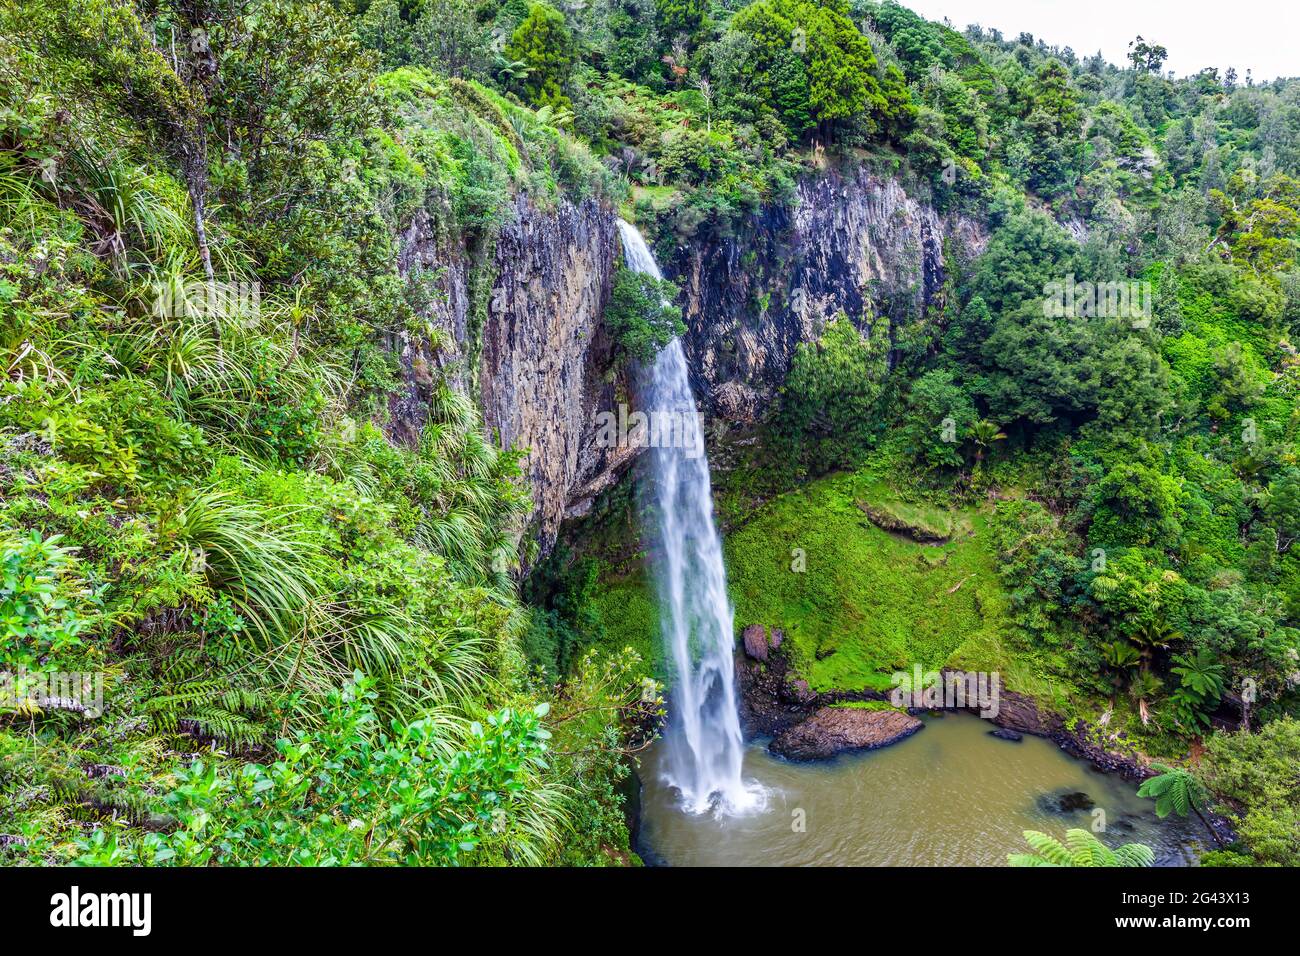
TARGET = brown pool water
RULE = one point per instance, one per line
(950, 795)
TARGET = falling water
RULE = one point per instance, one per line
(704, 742)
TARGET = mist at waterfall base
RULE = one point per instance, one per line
(704, 746)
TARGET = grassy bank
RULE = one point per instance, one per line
(856, 602)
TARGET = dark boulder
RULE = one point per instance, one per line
(797, 691)
(771, 698)
(1066, 801)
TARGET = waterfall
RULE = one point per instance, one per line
(705, 747)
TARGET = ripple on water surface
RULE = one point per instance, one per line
(950, 795)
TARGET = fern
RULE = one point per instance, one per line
(1178, 790)
(1081, 848)
(207, 698)
(1174, 790)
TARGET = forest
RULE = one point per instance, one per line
(304, 631)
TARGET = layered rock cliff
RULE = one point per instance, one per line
(854, 241)
(548, 364)
(517, 323)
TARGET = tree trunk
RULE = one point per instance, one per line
(195, 168)
(1201, 817)
(201, 69)
(196, 182)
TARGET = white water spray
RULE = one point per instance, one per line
(705, 747)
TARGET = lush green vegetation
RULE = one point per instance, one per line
(1255, 774)
(198, 503)
(641, 315)
(833, 386)
(1107, 394)
(310, 640)
(1081, 848)
(857, 602)
(837, 566)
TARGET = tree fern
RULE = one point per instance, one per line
(1178, 790)
(1081, 848)
(1174, 790)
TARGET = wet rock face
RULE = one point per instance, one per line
(548, 366)
(542, 365)
(834, 730)
(852, 241)
(771, 697)
(1020, 713)
(441, 266)
(758, 641)
(1017, 713)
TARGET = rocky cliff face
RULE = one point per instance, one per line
(854, 242)
(548, 364)
(534, 352)
(518, 325)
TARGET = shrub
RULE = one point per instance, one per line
(422, 793)
(828, 402)
(640, 314)
(38, 622)
(1258, 773)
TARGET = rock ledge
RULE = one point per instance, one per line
(833, 730)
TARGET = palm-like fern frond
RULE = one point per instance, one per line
(1175, 789)
(1081, 848)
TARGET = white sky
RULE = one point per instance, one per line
(1263, 35)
